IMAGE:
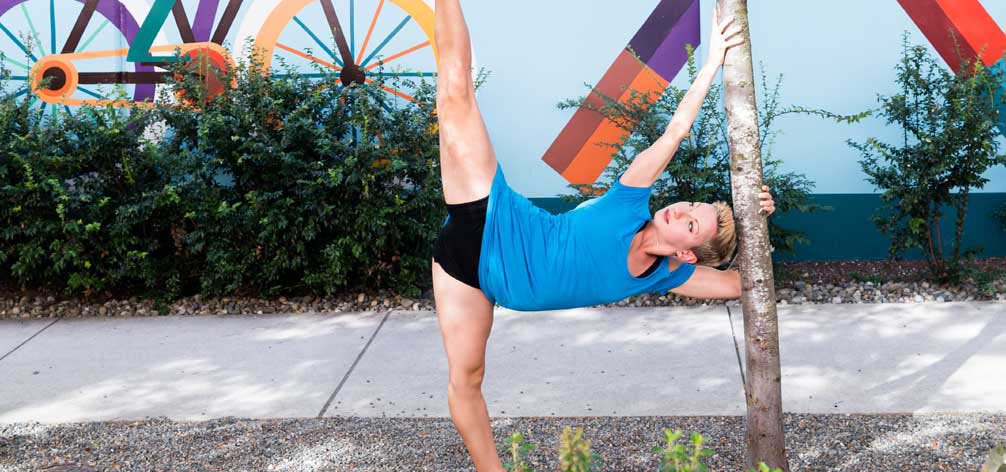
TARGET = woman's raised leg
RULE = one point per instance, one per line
(466, 317)
(467, 159)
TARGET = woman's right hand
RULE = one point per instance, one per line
(724, 35)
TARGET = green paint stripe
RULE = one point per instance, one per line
(387, 40)
(16, 63)
(83, 46)
(34, 32)
(17, 41)
(31, 102)
(317, 40)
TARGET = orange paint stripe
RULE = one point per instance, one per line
(396, 92)
(591, 160)
(371, 30)
(307, 56)
(396, 56)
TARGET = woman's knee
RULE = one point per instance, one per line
(469, 378)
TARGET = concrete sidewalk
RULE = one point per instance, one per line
(889, 358)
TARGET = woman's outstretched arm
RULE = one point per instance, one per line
(649, 164)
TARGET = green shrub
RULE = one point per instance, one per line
(280, 184)
(575, 454)
(700, 170)
(950, 140)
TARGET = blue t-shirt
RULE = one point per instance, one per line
(533, 260)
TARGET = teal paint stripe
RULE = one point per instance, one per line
(317, 40)
(17, 42)
(20, 92)
(308, 75)
(847, 233)
(402, 74)
(352, 26)
(34, 32)
(19, 77)
(68, 112)
(91, 93)
(83, 46)
(52, 24)
(386, 40)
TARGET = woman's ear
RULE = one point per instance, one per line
(686, 256)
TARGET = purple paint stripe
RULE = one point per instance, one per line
(656, 28)
(202, 24)
(668, 60)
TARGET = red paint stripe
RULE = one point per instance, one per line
(579, 129)
(595, 155)
(976, 28)
(934, 23)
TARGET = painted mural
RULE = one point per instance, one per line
(648, 64)
(962, 28)
(114, 51)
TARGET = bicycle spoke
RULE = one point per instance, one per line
(308, 56)
(20, 92)
(68, 112)
(16, 63)
(352, 25)
(400, 55)
(386, 40)
(52, 108)
(93, 35)
(402, 74)
(52, 24)
(317, 40)
(17, 42)
(18, 77)
(93, 94)
(396, 92)
(371, 30)
(307, 76)
(34, 32)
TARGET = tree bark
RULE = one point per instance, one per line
(765, 440)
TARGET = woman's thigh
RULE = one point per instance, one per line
(466, 318)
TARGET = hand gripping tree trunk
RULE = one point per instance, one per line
(765, 441)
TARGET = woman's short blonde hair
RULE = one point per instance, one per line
(718, 250)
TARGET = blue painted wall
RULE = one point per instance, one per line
(833, 55)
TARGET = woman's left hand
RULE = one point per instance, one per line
(766, 201)
(724, 35)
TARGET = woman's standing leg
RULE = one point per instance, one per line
(467, 167)
(466, 317)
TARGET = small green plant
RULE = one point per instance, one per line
(574, 452)
(996, 461)
(862, 278)
(677, 458)
(518, 452)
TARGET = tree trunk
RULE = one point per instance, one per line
(765, 441)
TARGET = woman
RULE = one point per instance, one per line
(498, 247)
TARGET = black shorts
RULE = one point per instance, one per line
(459, 244)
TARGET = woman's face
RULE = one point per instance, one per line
(686, 225)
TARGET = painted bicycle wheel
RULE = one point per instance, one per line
(360, 40)
(34, 29)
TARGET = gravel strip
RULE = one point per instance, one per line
(815, 443)
(16, 306)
